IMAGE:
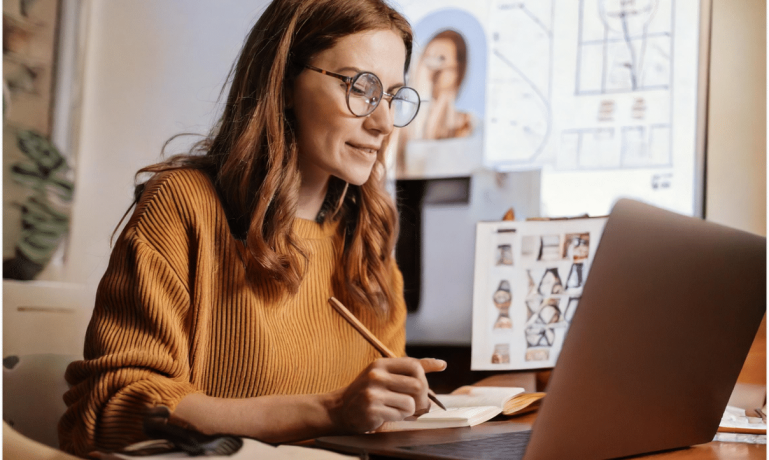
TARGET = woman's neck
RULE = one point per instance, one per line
(312, 192)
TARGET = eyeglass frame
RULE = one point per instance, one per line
(385, 95)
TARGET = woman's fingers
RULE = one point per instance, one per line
(389, 389)
(407, 375)
(410, 366)
(406, 384)
(413, 388)
(432, 364)
(402, 403)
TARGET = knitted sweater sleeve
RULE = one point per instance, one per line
(136, 353)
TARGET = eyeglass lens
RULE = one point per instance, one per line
(366, 92)
(406, 105)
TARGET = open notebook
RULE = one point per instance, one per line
(737, 420)
(469, 406)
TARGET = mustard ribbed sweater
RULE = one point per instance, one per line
(174, 315)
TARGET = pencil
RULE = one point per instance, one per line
(368, 335)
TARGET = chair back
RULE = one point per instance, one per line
(33, 386)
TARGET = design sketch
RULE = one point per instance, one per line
(502, 300)
(606, 148)
(575, 280)
(550, 283)
(538, 354)
(625, 46)
(504, 254)
(571, 307)
(541, 248)
(518, 94)
(579, 89)
(522, 312)
(577, 246)
(542, 329)
(501, 354)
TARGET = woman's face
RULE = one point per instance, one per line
(331, 140)
(440, 56)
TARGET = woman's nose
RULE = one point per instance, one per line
(382, 118)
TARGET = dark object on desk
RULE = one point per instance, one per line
(192, 442)
(494, 447)
(666, 320)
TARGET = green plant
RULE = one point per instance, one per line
(45, 213)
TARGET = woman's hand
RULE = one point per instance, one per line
(388, 389)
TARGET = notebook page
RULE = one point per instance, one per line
(480, 396)
(470, 414)
(456, 417)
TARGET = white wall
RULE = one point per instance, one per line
(153, 69)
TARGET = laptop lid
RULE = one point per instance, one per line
(666, 319)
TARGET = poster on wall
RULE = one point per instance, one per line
(602, 95)
(448, 70)
(528, 283)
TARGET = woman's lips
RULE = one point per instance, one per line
(369, 150)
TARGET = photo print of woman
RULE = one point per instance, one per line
(439, 74)
(449, 72)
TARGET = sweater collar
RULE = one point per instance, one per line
(309, 229)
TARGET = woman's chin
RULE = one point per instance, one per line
(356, 177)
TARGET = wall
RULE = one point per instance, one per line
(736, 151)
(154, 69)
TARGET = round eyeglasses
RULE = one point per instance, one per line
(365, 91)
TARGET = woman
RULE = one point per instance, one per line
(214, 303)
(442, 66)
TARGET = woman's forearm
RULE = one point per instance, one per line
(388, 389)
(277, 418)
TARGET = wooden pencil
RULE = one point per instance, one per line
(368, 335)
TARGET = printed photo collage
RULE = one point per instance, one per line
(532, 276)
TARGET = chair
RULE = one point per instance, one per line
(44, 325)
(19, 447)
(33, 386)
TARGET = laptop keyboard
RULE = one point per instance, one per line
(508, 446)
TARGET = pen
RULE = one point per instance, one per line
(368, 335)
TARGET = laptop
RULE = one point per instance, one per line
(666, 320)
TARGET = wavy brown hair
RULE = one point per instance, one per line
(251, 155)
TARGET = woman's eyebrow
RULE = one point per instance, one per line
(351, 69)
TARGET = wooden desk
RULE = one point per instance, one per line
(714, 451)
(708, 451)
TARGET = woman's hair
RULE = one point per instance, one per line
(251, 155)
